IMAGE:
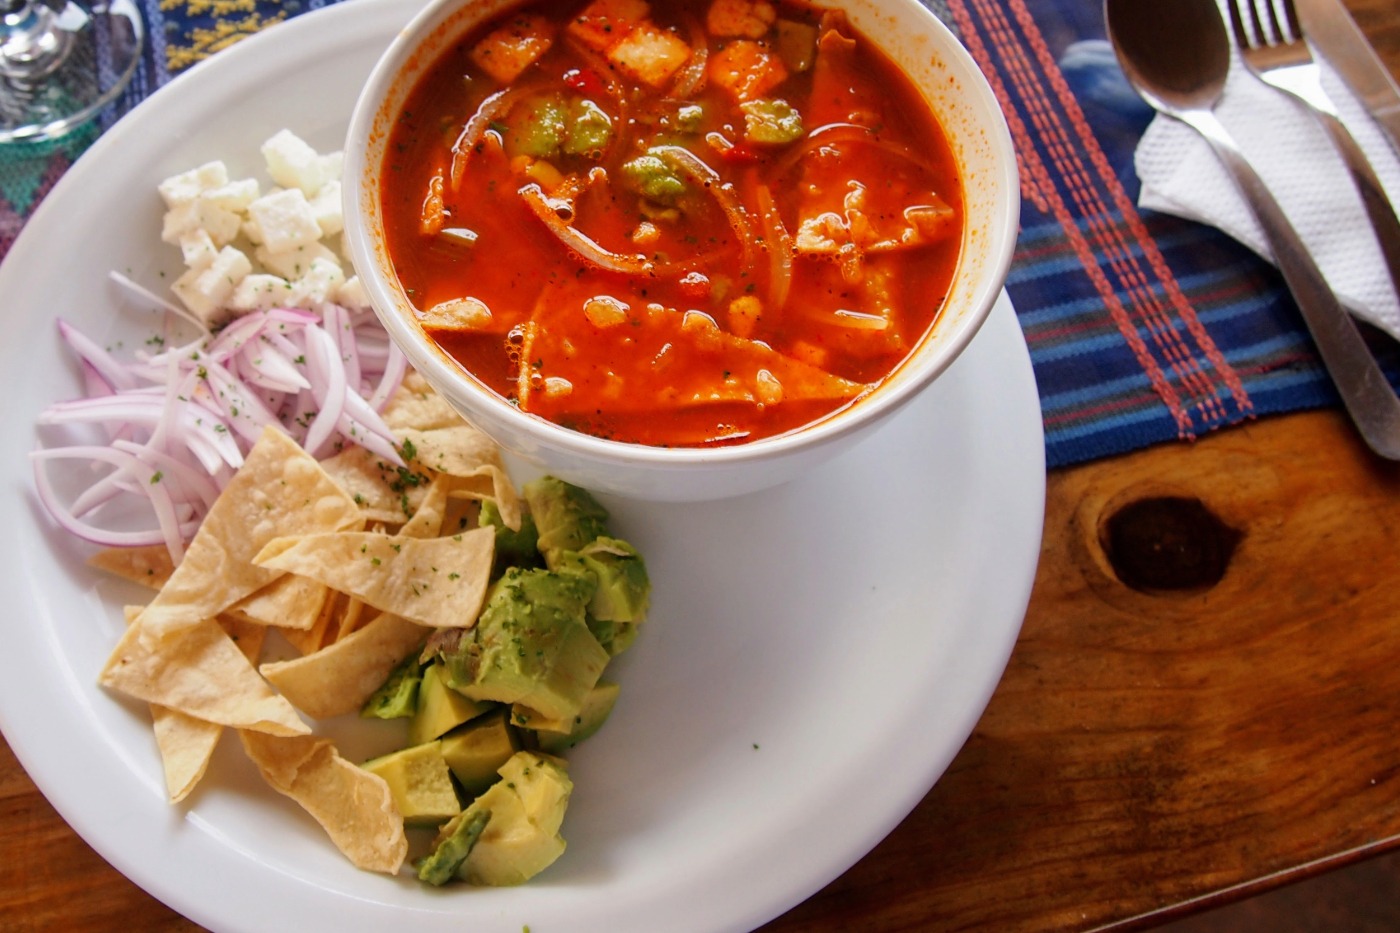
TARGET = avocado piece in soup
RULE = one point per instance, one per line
(650, 176)
(590, 128)
(771, 122)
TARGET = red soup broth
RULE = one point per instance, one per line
(685, 223)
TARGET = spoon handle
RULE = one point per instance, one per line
(1367, 395)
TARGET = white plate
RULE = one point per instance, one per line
(816, 655)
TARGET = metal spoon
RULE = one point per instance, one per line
(1176, 53)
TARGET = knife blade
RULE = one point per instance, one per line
(1330, 28)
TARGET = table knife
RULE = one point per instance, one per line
(1330, 28)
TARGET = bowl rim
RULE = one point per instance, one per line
(485, 405)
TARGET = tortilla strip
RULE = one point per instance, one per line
(418, 406)
(279, 490)
(186, 744)
(289, 602)
(339, 679)
(464, 452)
(354, 806)
(149, 565)
(381, 492)
(198, 670)
(438, 582)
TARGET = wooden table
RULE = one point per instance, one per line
(1223, 725)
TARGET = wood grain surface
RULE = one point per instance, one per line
(1223, 727)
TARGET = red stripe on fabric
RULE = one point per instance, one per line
(1055, 206)
(1086, 196)
(1129, 212)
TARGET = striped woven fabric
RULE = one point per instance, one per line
(1142, 328)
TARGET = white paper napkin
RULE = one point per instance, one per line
(1292, 152)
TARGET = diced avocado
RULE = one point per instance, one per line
(590, 129)
(452, 846)
(615, 637)
(566, 516)
(398, 695)
(420, 783)
(531, 644)
(513, 548)
(771, 122)
(542, 783)
(475, 751)
(650, 176)
(558, 737)
(624, 589)
(796, 44)
(440, 708)
(527, 807)
(537, 127)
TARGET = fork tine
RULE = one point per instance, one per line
(1294, 29)
(1273, 29)
(1237, 26)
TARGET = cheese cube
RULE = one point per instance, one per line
(292, 264)
(320, 282)
(650, 54)
(351, 294)
(234, 196)
(186, 186)
(746, 69)
(748, 18)
(283, 220)
(198, 248)
(326, 208)
(260, 291)
(506, 52)
(198, 214)
(292, 163)
(206, 292)
(604, 23)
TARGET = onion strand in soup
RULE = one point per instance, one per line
(676, 224)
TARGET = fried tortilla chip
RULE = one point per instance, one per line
(438, 582)
(279, 490)
(339, 678)
(149, 566)
(383, 492)
(200, 671)
(432, 509)
(417, 406)
(355, 807)
(289, 602)
(464, 452)
(186, 744)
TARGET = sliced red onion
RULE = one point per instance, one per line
(187, 415)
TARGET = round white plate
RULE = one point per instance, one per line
(816, 654)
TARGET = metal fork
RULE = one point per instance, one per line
(1271, 43)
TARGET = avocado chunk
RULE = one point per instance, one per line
(477, 750)
(440, 708)
(527, 807)
(452, 846)
(531, 645)
(513, 548)
(397, 697)
(624, 589)
(557, 737)
(566, 516)
(420, 783)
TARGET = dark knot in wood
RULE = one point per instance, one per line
(1168, 543)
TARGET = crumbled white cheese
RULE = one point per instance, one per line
(248, 247)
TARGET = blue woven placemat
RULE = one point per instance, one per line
(1142, 328)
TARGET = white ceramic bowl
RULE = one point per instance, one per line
(972, 119)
